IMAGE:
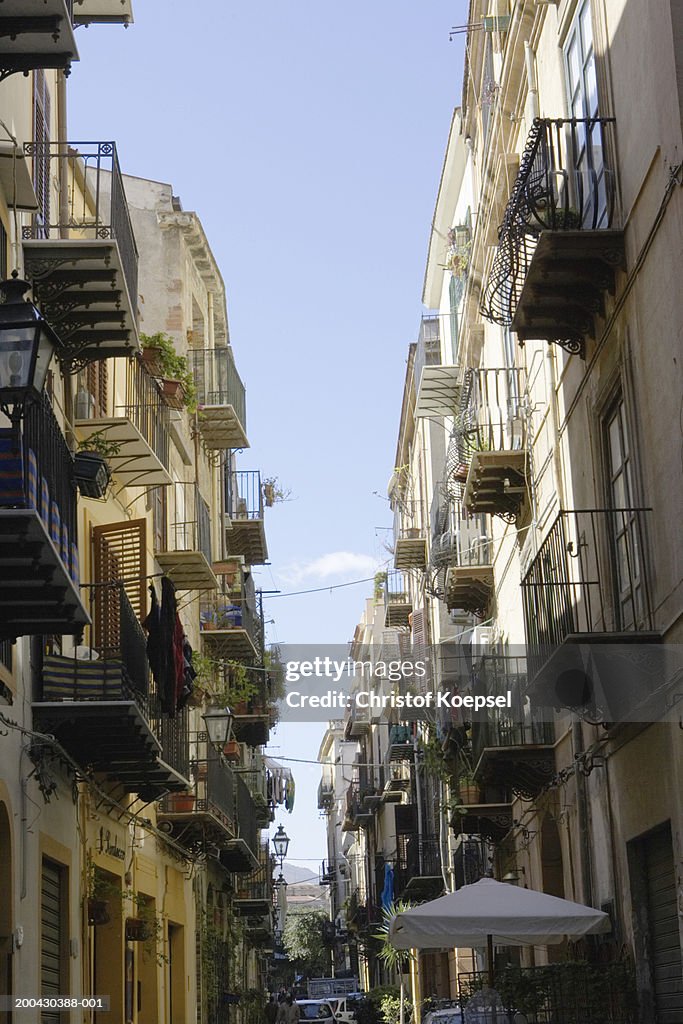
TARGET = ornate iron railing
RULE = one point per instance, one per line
(97, 206)
(246, 817)
(428, 348)
(409, 520)
(396, 589)
(42, 434)
(217, 379)
(564, 184)
(589, 576)
(258, 885)
(457, 538)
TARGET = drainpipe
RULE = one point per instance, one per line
(532, 90)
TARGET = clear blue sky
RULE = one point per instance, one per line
(309, 137)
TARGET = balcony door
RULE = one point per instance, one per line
(588, 190)
(625, 538)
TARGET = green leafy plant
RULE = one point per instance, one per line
(396, 960)
(99, 442)
(273, 490)
(379, 584)
(172, 366)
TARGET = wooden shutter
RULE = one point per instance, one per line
(664, 936)
(52, 908)
(41, 159)
(119, 553)
(96, 383)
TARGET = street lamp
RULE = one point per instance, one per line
(281, 844)
(27, 344)
(218, 723)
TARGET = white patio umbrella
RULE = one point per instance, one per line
(489, 912)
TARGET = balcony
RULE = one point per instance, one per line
(255, 774)
(588, 615)
(325, 795)
(39, 577)
(559, 243)
(221, 398)
(229, 623)
(187, 558)
(252, 721)
(358, 723)
(494, 438)
(357, 909)
(327, 873)
(241, 854)
(462, 553)
(512, 746)
(398, 604)
(205, 815)
(417, 872)
(139, 424)
(103, 12)
(245, 532)
(491, 821)
(254, 893)
(410, 536)
(401, 746)
(437, 384)
(356, 814)
(107, 713)
(82, 259)
(36, 34)
(396, 782)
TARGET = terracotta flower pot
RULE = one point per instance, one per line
(181, 803)
(173, 393)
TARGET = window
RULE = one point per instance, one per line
(455, 289)
(625, 539)
(589, 187)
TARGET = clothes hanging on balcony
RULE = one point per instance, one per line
(161, 644)
(185, 683)
(388, 890)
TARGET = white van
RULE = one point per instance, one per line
(343, 1009)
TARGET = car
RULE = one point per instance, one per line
(451, 1015)
(316, 1010)
(344, 1008)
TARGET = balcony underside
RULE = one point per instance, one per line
(189, 570)
(492, 821)
(606, 675)
(362, 819)
(439, 391)
(114, 738)
(37, 594)
(103, 12)
(371, 801)
(469, 587)
(260, 931)
(397, 613)
(564, 287)
(251, 906)
(247, 537)
(239, 857)
(197, 829)
(80, 288)
(394, 790)
(496, 483)
(401, 752)
(411, 553)
(235, 644)
(221, 428)
(524, 769)
(136, 464)
(35, 34)
(421, 887)
(356, 727)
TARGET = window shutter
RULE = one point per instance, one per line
(119, 553)
(41, 158)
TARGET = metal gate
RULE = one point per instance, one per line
(51, 927)
(664, 936)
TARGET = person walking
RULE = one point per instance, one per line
(292, 1011)
(270, 1011)
(281, 1015)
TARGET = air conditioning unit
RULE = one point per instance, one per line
(482, 637)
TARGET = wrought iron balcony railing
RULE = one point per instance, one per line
(244, 504)
(564, 185)
(221, 397)
(325, 794)
(418, 866)
(39, 572)
(589, 580)
(109, 712)
(81, 257)
(187, 553)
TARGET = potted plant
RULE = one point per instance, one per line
(232, 750)
(274, 491)
(138, 929)
(177, 383)
(101, 894)
(91, 464)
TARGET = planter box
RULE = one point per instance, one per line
(92, 474)
(138, 930)
(173, 393)
(98, 911)
(180, 803)
(232, 750)
(151, 357)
